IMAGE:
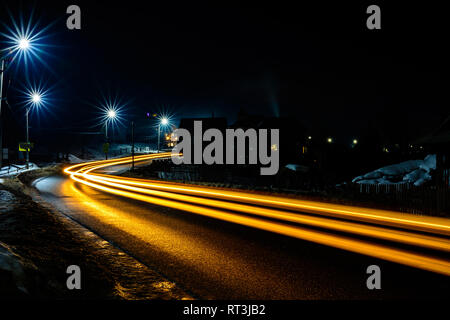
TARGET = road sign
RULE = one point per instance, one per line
(23, 146)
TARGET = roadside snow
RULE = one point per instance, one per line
(118, 150)
(75, 159)
(296, 167)
(411, 171)
(15, 169)
(6, 198)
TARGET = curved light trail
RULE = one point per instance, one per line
(371, 232)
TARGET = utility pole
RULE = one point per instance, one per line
(106, 144)
(2, 70)
(28, 140)
(132, 145)
(159, 133)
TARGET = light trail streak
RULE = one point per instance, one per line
(427, 224)
(390, 218)
(376, 232)
(222, 204)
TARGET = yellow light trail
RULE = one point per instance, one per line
(390, 218)
(257, 208)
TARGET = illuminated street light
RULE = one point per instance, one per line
(162, 121)
(111, 114)
(355, 141)
(36, 99)
(330, 140)
(24, 40)
(111, 111)
(23, 44)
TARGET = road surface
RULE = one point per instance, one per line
(215, 259)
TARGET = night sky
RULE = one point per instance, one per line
(319, 65)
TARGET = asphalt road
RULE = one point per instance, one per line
(213, 259)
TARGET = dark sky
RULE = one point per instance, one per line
(318, 64)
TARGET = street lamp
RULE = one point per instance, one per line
(36, 98)
(35, 101)
(23, 44)
(110, 116)
(162, 121)
(2, 70)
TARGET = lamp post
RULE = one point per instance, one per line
(2, 70)
(110, 115)
(36, 99)
(163, 121)
(28, 139)
(132, 145)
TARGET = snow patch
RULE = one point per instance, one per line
(75, 159)
(15, 169)
(416, 172)
(6, 198)
(296, 167)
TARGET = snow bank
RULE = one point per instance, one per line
(15, 169)
(411, 171)
(75, 159)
